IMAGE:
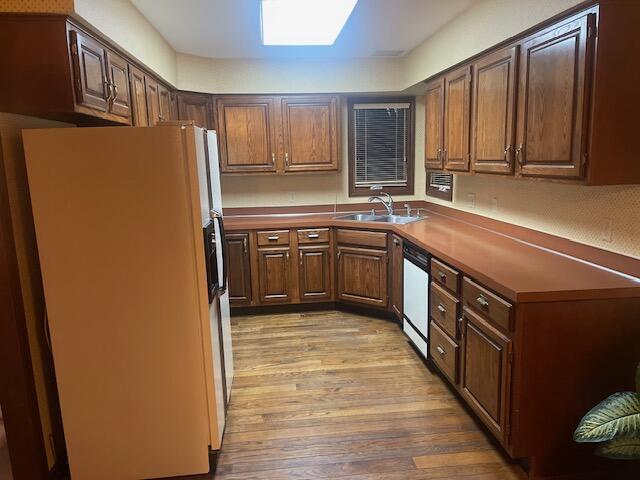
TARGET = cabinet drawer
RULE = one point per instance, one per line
(273, 237)
(444, 309)
(445, 275)
(489, 304)
(313, 235)
(444, 353)
(362, 237)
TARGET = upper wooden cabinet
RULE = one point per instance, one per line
(153, 100)
(89, 59)
(553, 100)
(493, 112)
(310, 133)
(434, 107)
(247, 134)
(196, 107)
(556, 103)
(138, 97)
(261, 134)
(457, 94)
(118, 74)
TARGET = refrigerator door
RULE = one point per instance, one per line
(121, 250)
(225, 311)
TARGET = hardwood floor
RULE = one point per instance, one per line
(333, 395)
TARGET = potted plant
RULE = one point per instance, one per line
(616, 422)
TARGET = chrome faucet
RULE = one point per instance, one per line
(388, 203)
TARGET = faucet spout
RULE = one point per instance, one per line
(388, 202)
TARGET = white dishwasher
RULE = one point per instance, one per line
(415, 322)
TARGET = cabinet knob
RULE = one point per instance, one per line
(440, 350)
(482, 300)
(442, 309)
(286, 159)
(313, 235)
(273, 238)
(442, 276)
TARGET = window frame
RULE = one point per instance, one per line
(411, 153)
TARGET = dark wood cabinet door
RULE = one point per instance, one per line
(310, 133)
(164, 102)
(434, 122)
(138, 98)
(552, 101)
(486, 371)
(118, 69)
(239, 265)
(153, 100)
(362, 276)
(90, 71)
(196, 107)
(396, 275)
(457, 93)
(314, 273)
(247, 134)
(493, 112)
(273, 275)
(173, 106)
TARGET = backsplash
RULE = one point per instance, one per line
(605, 217)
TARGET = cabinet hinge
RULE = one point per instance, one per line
(592, 31)
(74, 49)
(585, 157)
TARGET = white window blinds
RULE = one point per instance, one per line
(380, 143)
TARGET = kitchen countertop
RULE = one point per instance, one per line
(517, 270)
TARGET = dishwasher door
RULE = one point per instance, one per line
(416, 303)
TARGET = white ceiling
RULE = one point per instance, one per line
(231, 28)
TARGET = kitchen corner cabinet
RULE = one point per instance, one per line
(362, 275)
(278, 134)
(196, 107)
(555, 103)
(239, 265)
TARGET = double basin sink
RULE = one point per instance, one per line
(367, 217)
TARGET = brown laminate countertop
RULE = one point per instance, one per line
(517, 270)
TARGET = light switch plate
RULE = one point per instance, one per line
(607, 229)
(471, 200)
(494, 204)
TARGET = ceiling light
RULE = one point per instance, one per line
(304, 22)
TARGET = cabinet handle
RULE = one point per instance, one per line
(339, 253)
(444, 155)
(442, 309)
(273, 158)
(286, 256)
(482, 300)
(244, 245)
(313, 235)
(286, 159)
(507, 158)
(107, 85)
(273, 238)
(300, 253)
(460, 331)
(115, 90)
(439, 156)
(442, 276)
(396, 241)
(440, 350)
(519, 154)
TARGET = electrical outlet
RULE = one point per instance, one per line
(292, 197)
(494, 204)
(607, 229)
(471, 200)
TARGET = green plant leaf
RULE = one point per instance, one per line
(621, 448)
(619, 414)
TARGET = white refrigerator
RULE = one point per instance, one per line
(130, 239)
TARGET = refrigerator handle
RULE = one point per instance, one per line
(218, 216)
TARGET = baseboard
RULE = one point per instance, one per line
(311, 307)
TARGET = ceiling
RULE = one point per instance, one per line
(231, 28)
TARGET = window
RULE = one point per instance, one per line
(440, 185)
(381, 150)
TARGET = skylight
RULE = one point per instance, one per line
(304, 22)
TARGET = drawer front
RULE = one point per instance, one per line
(313, 235)
(362, 237)
(273, 237)
(444, 309)
(488, 304)
(445, 276)
(444, 352)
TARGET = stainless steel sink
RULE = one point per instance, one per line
(367, 217)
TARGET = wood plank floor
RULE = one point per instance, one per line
(333, 395)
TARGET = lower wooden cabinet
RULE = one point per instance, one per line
(362, 275)
(486, 371)
(396, 272)
(314, 273)
(239, 268)
(274, 276)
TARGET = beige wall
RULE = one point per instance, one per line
(37, 6)
(12, 155)
(288, 75)
(327, 188)
(126, 26)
